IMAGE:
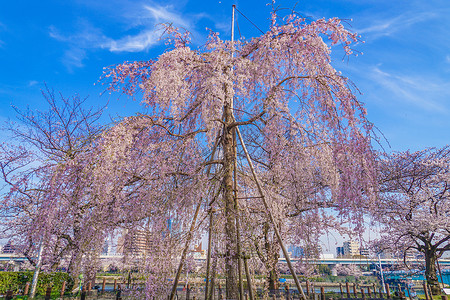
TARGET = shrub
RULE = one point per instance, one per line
(16, 281)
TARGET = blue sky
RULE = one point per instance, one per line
(403, 74)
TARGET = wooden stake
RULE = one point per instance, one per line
(208, 258)
(48, 293)
(213, 279)
(63, 289)
(249, 278)
(425, 289)
(27, 287)
(238, 227)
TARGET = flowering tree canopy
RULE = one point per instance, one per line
(304, 141)
(44, 165)
(264, 136)
(414, 205)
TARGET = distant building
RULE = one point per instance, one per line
(339, 251)
(107, 248)
(364, 252)
(296, 251)
(198, 251)
(135, 242)
(351, 248)
(8, 248)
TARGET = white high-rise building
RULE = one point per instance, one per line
(351, 248)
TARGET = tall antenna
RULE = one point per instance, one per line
(232, 29)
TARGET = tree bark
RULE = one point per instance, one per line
(229, 151)
(431, 272)
(272, 250)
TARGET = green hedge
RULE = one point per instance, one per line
(16, 281)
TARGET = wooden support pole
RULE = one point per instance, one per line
(48, 293)
(409, 292)
(347, 286)
(27, 287)
(429, 291)
(188, 291)
(272, 219)
(249, 278)
(63, 289)
(9, 295)
(238, 226)
(83, 293)
(288, 296)
(425, 289)
(213, 280)
(355, 293)
(341, 289)
(322, 293)
(388, 290)
(208, 257)
(363, 295)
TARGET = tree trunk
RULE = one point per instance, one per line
(229, 152)
(431, 272)
(272, 250)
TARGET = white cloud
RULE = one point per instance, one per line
(136, 43)
(447, 58)
(32, 83)
(2, 28)
(87, 37)
(143, 19)
(162, 14)
(423, 92)
(389, 26)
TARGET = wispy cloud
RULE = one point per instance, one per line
(2, 28)
(32, 83)
(136, 43)
(87, 37)
(390, 25)
(423, 92)
(163, 14)
(142, 20)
